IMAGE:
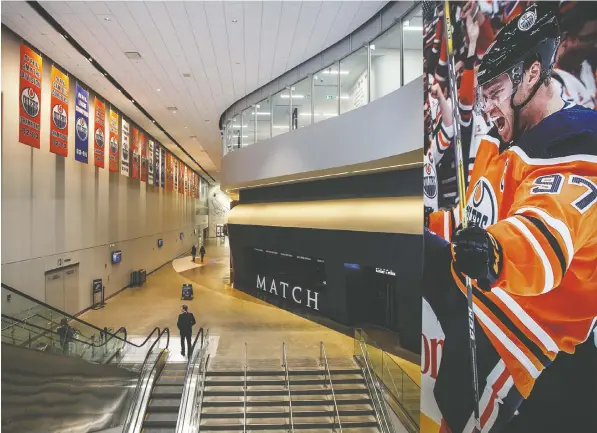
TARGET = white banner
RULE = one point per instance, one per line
(125, 148)
(150, 163)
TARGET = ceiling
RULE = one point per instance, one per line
(199, 57)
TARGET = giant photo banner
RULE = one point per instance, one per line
(99, 133)
(59, 113)
(523, 78)
(114, 145)
(143, 148)
(163, 174)
(125, 150)
(150, 162)
(135, 163)
(30, 96)
(82, 125)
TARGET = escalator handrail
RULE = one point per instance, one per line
(131, 416)
(70, 316)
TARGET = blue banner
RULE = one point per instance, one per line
(82, 125)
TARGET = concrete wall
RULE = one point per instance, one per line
(386, 127)
(57, 209)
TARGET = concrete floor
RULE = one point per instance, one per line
(231, 315)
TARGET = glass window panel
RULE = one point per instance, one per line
(301, 103)
(281, 104)
(248, 130)
(325, 93)
(353, 81)
(385, 63)
(412, 34)
(263, 119)
(235, 133)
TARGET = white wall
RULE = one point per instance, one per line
(385, 70)
(384, 128)
(219, 206)
(57, 208)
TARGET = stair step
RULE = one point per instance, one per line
(160, 420)
(266, 403)
(282, 382)
(273, 392)
(287, 426)
(254, 373)
(167, 391)
(295, 414)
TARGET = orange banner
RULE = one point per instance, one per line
(180, 178)
(114, 145)
(169, 171)
(30, 94)
(59, 113)
(99, 134)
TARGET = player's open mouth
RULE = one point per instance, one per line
(500, 122)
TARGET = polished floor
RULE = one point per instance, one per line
(232, 316)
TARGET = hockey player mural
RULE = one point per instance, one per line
(529, 245)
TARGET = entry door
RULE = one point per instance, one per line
(71, 290)
(55, 289)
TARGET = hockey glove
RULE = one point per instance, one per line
(428, 211)
(477, 254)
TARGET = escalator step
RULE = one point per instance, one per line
(164, 405)
(167, 391)
(160, 420)
(170, 380)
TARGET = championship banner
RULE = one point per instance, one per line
(59, 113)
(162, 167)
(113, 162)
(82, 125)
(99, 135)
(157, 165)
(198, 183)
(180, 178)
(30, 93)
(143, 151)
(191, 181)
(186, 181)
(125, 149)
(135, 153)
(169, 172)
(175, 174)
(150, 162)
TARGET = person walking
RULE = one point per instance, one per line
(194, 252)
(202, 252)
(185, 324)
(66, 334)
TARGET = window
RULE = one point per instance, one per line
(301, 103)
(412, 36)
(325, 93)
(248, 130)
(264, 119)
(385, 62)
(281, 111)
(235, 133)
(354, 81)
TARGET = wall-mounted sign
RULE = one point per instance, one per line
(385, 271)
(308, 298)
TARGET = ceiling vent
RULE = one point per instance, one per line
(173, 109)
(133, 55)
(187, 75)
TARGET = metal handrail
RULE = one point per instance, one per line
(288, 385)
(375, 393)
(199, 406)
(245, 394)
(186, 399)
(132, 423)
(329, 374)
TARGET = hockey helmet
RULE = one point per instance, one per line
(534, 35)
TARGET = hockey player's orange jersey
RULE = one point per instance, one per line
(539, 200)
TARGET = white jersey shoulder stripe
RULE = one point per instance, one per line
(552, 161)
(549, 279)
(491, 140)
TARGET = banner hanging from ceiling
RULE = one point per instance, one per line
(143, 151)
(114, 147)
(157, 164)
(59, 113)
(99, 133)
(175, 173)
(180, 177)
(82, 125)
(150, 162)
(125, 148)
(169, 172)
(162, 167)
(135, 152)
(30, 94)
(197, 185)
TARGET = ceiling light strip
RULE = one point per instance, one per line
(52, 22)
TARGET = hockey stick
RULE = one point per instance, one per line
(462, 202)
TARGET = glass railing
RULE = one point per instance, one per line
(372, 70)
(405, 393)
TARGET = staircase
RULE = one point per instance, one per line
(162, 410)
(270, 397)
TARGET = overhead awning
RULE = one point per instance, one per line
(379, 215)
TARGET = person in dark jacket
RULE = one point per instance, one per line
(185, 324)
(194, 252)
(66, 334)
(202, 252)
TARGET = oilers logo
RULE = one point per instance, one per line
(481, 208)
(429, 181)
(30, 102)
(99, 138)
(113, 145)
(81, 128)
(59, 116)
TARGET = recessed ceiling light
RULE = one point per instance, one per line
(107, 18)
(238, 63)
(185, 127)
(159, 90)
(132, 55)
(234, 21)
(133, 101)
(90, 59)
(372, 46)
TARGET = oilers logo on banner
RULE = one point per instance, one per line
(81, 128)
(59, 116)
(429, 180)
(99, 137)
(482, 205)
(125, 151)
(30, 101)
(113, 145)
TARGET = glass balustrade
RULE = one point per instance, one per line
(371, 71)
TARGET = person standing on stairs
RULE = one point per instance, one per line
(185, 324)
